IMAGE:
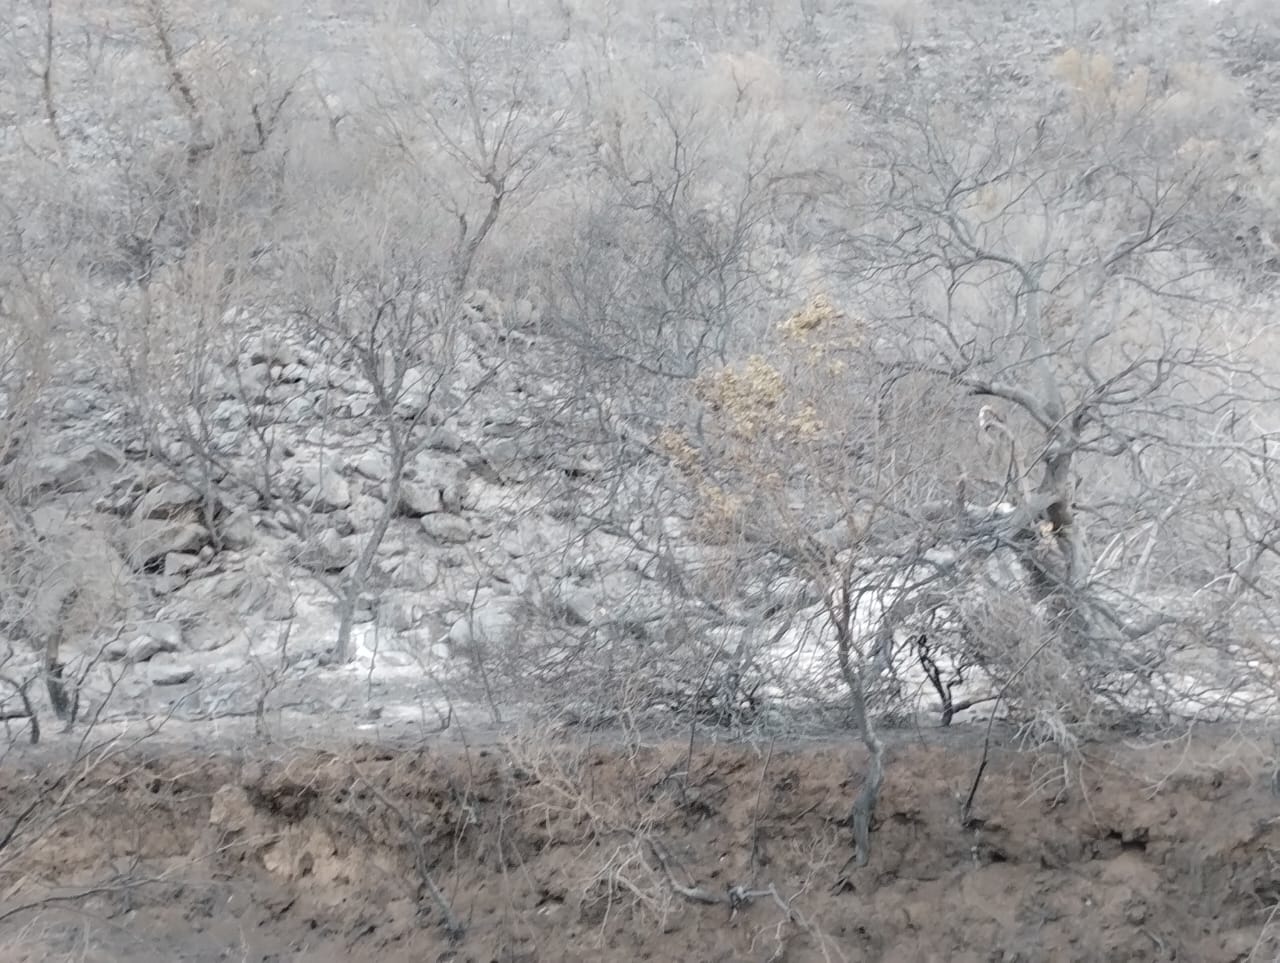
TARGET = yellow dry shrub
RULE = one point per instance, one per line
(805, 425)
(823, 329)
(1096, 88)
(747, 398)
(1135, 93)
(1195, 92)
(819, 312)
(675, 445)
(1089, 75)
(718, 516)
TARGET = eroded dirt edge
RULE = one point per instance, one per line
(541, 850)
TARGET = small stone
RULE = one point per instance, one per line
(145, 648)
(171, 674)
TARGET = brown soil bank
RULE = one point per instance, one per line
(549, 852)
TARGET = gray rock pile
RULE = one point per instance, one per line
(201, 559)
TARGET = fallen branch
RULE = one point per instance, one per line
(694, 894)
(735, 897)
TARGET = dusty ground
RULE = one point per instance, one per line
(1154, 851)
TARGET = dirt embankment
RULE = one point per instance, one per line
(535, 853)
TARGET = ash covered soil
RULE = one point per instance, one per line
(556, 849)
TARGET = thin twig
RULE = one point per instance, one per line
(755, 819)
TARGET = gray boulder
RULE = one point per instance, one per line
(328, 490)
(169, 500)
(153, 638)
(171, 674)
(75, 470)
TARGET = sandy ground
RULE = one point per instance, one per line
(538, 848)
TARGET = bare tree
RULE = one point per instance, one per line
(1056, 272)
(197, 224)
(986, 457)
(465, 138)
(666, 266)
(396, 321)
